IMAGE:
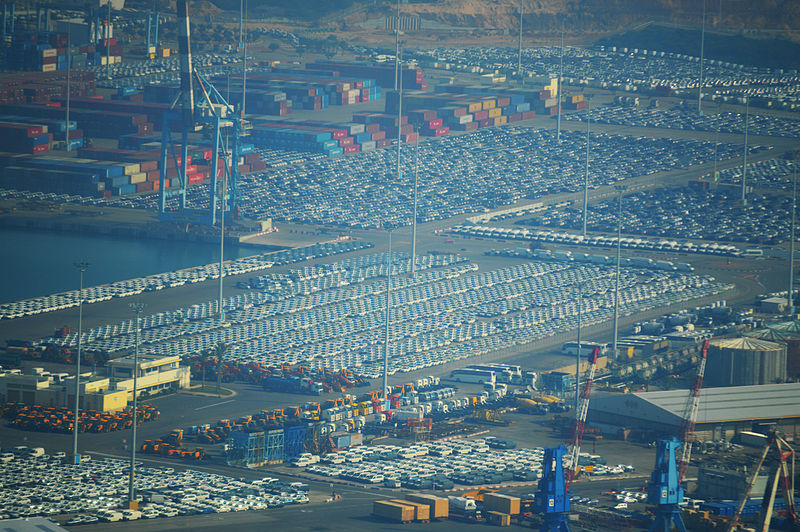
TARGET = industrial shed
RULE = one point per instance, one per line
(723, 411)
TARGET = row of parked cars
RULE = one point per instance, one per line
(631, 69)
(441, 464)
(688, 119)
(37, 484)
(684, 213)
(162, 281)
(771, 173)
(563, 237)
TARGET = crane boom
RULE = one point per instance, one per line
(690, 415)
(580, 418)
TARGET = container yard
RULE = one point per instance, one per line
(517, 283)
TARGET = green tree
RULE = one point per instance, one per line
(218, 353)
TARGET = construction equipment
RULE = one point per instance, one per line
(664, 489)
(485, 416)
(552, 500)
(777, 454)
(690, 415)
(580, 420)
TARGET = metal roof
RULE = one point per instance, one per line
(746, 343)
(733, 403)
(787, 327)
(30, 524)
(717, 405)
(769, 334)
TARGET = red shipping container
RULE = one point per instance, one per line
(244, 168)
(528, 115)
(145, 186)
(484, 123)
(346, 141)
(41, 148)
(433, 124)
(503, 101)
(383, 143)
(354, 148)
(379, 135)
(153, 175)
(481, 115)
(515, 117)
(411, 137)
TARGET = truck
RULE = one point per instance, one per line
(393, 511)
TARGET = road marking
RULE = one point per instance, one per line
(215, 404)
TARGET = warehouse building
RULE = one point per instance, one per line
(722, 413)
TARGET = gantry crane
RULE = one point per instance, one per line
(690, 415)
(580, 420)
(211, 112)
(777, 454)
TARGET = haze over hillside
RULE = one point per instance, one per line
(585, 15)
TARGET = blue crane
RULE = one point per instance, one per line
(664, 489)
(552, 499)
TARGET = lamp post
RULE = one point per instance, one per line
(386, 332)
(578, 356)
(790, 293)
(76, 459)
(137, 308)
(414, 220)
(586, 182)
(519, 53)
(744, 158)
(620, 189)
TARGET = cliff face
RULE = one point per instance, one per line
(610, 15)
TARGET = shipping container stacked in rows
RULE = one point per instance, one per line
(41, 87)
(109, 172)
(367, 132)
(46, 51)
(466, 108)
(384, 75)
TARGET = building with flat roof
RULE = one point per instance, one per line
(155, 374)
(722, 411)
(103, 393)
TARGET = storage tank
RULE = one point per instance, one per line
(790, 330)
(745, 361)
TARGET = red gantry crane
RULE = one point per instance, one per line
(580, 420)
(690, 415)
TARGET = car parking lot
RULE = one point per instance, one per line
(166, 280)
(688, 119)
(772, 174)
(442, 465)
(457, 175)
(333, 315)
(95, 490)
(681, 213)
(635, 70)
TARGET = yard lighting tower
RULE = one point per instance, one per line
(620, 189)
(414, 220)
(744, 160)
(137, 309)
(519, 52)
(558, 89)
(386, 336)
(702, 49)
(790, 293)
(586, 180)
(82, 267)
(397, 48)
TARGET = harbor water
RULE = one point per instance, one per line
(39, 263)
